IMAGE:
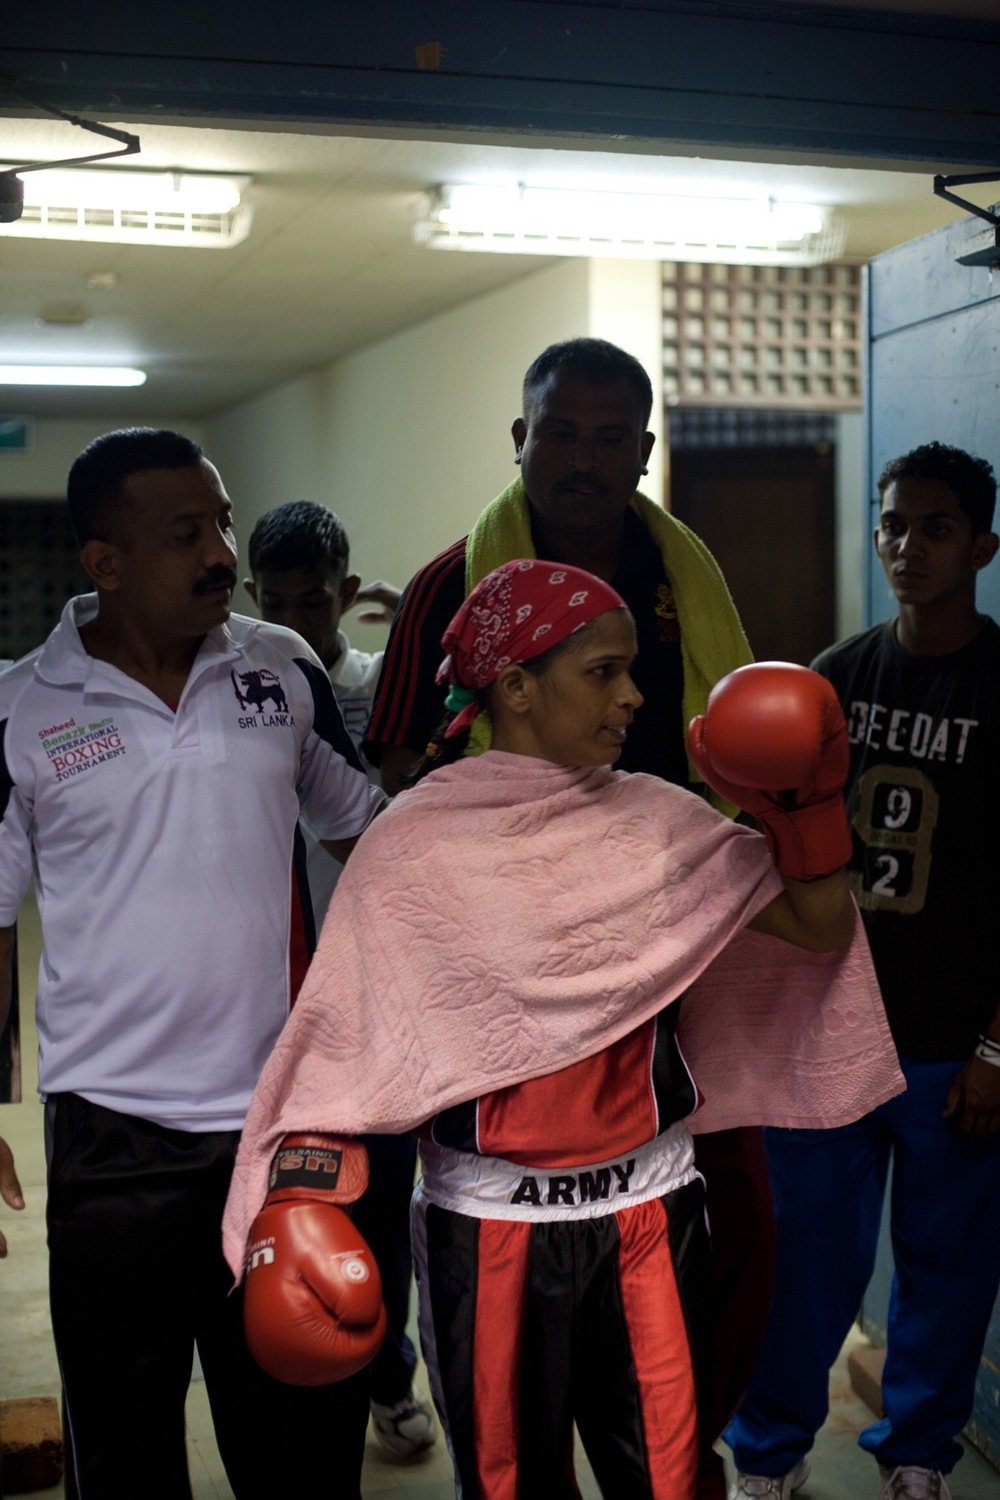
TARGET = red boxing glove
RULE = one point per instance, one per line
(773, 740)
(312, 1309)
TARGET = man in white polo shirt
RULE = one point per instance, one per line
(158, 753)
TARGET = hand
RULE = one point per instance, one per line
(10, 1188)
(773, 740)
(974, 1100)
(313, 1310)
(387, 595)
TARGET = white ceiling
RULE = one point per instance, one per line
(329, 265)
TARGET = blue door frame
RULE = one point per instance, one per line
(933, 371)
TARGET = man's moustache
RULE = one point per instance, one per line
(221, 578)
(580, 481)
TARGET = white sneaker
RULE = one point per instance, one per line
(780, 1488)
(907, 1482)
(406, 1429)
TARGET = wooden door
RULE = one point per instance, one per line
(767, 514)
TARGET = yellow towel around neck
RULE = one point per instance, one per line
(712, 638)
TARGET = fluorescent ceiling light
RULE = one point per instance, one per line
(124, 206)
(122, 188)
(70, 375)
(524, 220)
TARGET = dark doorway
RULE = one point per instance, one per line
(767, 513)
(39, 570)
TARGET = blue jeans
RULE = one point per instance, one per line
(828, 1189)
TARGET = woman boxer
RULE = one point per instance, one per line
(501, 969)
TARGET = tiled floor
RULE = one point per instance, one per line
(28, 1366)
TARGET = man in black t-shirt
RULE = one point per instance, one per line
(921, 695)
(581, 445)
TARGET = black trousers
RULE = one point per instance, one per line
(528, 1327)
(136, 1279)
(382, 1214)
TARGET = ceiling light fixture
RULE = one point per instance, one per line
(125, 206)
(524, 220)
(71, 375)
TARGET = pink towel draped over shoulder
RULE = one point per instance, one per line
(508, 917)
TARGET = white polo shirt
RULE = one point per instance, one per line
(162, 845)
(354, 678)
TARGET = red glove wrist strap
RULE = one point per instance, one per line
(333, 1169)
(808, 842)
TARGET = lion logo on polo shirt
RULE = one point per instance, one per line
(259, 687)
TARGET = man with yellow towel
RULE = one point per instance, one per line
(581, 445)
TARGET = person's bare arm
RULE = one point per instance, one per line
(395, 764)
(10, 1188)
(974, 1098)
(341, 849)
(383, 596)
(6, 972)
(815, 914)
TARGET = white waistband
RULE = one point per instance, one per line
(487, 1187)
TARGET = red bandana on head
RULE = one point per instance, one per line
(516, 612)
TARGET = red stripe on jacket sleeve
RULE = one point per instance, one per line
(412, 657)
